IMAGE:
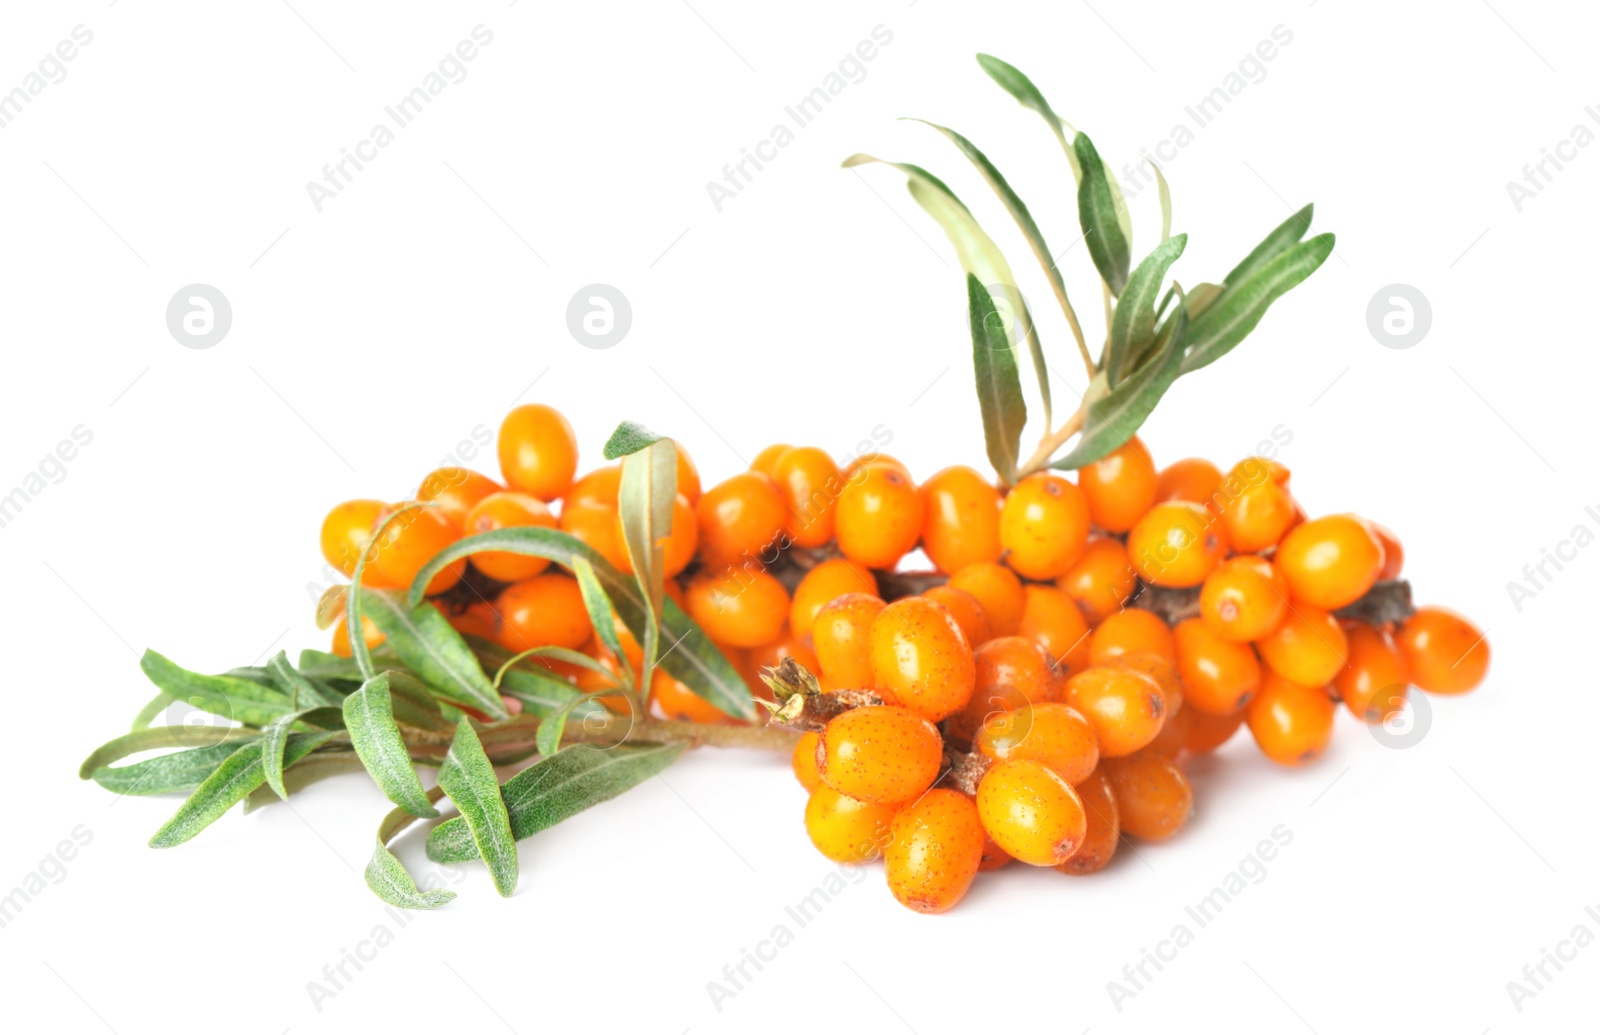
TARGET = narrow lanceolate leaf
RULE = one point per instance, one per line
(238, 775)
(1133, 327)
(369, 715)
(156, 737)
(148, 713)
(231, 697)
(598, 605)
(275, 738)
(387, 876)
(1284, 236)
(688, 655)
(413, 703)
(320, 666)
(541, 691)
(645, 502)
(1103, 232)
(557, 788)
(1021, 87)
(469, 779)
(999, 389)
(1164, 194)
(1240, 307)
(427, 644)
(1115, 418)
(301, 691)
(304, 773)
(1200, 298)
(630, 437)
(167, 774)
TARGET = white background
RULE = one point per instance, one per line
(369, 338)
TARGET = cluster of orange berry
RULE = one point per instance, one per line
(1023, 700)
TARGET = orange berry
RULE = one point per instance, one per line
(1154, 799)
(1444, 652)
(880, 753)
(1204, 733)
(920, 659)
(1373, 682)
(677, 701)
(1244, 599)
(1193, 479)
(1330, 561)
(1292, 723)
(1031, 812)
(507, 510)
(965, 609)
(1219, 676)
(1103, 828)
(480, 619)
(960, 519)
(600, 485)
(1131, 631)
(999, 591)
(341, 636)
(596, 526)
(1309, 648)
(1102, 580)
(742, 608)
(1044, 526)
(1120, 486)
(804, 760)
(846, 830)
(1125, 707)
(688, 475)
(455, 490)
(1175, 544)
(810, 483)
(347, 530)
(1394, 555)
(767, 459)
(993, 856)
(1256, 510)
(1162, 671)
(934, 850)
(410, 542)
(831, 579)
(538, 451)
(856, 463)
(544, 611)
(739, 519)
(1052, 734)
(878, 517)
(1018, 662)
(840, 637)
(961, 727)
(1051, 619)
(678, 545)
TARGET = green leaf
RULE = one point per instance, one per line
(369, 715)
(427, 644)
(541, 691)
(645, 502)
(1114, 419)
(1098, 198)
(630, 437)
(1284, 236)
(1164, 195)
(999, 390)
(474, 789)
(690, 657)
(314, 767)
(148, 713)
(598, 605)
(413, 703)
(558, 787)
(1133, 327)
(1200, 299)
(1241, 305)
(1021, 87)
(156, 737)
(231, 697)
(320, 666)
(387, 876)
(275, 737)
(302, 692)
(166, 774)
(238, 775)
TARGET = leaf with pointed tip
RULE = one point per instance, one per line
(999, 389)
(156, 737)
(275, 737)
(320, 666)
(166, 774)
(598, 606)
(148, 713)
(301, 691)
(1133, 327)
(413, 703)
(469, 779)
(645, 501)
(1098, 214)
(229, 696)
(427, 644)
(1114, 419)
(238, 775)
(630, 437)
(1241, 305)
(386, 875)
(1021, 88)
(1284, 236)
(540, 690)
(1164, 195)
(309, 770)
(369, 715)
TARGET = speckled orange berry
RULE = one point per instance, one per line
(880, 753)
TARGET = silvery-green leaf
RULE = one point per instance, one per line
(1284, 236)
(275, 738)
(598, 605)
(645, 499)
(1164, 195)
(541, 691)
(166, 774)
(303, 692)
(1114, 418)
(469, 779)
(1098, 200)
(238, 775)
(1241, 305)
(630, 437)
(369, 715)
(387, 876)
(148, 713)
(427, 644)
(1133, 327)
(314, 767)
(413, 704)
(230, 697)
(156, 737)
(999, 388)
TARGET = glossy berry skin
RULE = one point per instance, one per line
(1193, 479)
(739, 519)
(1125, 707)
(880, 753)
(1154, 799)
(1176, 544)
(347, 530)
(965, 609)
(480, 619)
(1120, 486)
(810, 483)
(1051, 619)
(1044, 526)
(1031, 812)
(1219, 676)
(545, 611)
(1102, 830)
(1161, 671)
(999, 591)
(688, 475)
(934, 850)
(507, 510)
(538, 452)
(766, 461)
(676, 701)
(678, 546)
(960, 519)
(994, 857)
(1052, 734)
(1102, 580)
(1444, 652)
(840, 637)
(878, 517)
(1330, 561)
(1394, 555)
(1244, 599)
(741, 608)
(455, 491)
(600, 485)
(920, 659)
(596, 525)
(1309, 648)
(846, 830)
(830, 579)
(1018, 662)
(961, 727)
(1133, 631)
(1256, 508)
(1292, 724)
(341, 636)
(1373, 682)
(1203, 733)
(804, 760)
(408, 543)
